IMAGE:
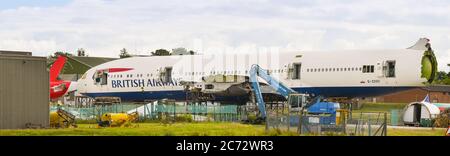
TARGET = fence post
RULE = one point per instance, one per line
(300, 121)
(174, 111)
(345, 123)
(385, 124)
(369, 127)
(145, 112)
(267, 122)
(289, 118)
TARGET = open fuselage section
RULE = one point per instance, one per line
(352, 73)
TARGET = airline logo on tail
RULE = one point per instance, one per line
(59, 88)
(56, 68)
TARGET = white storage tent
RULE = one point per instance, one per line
(417, 112)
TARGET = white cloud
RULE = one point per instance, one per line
(29, 45)
(103, 27)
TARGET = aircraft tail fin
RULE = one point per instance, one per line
(422, 44)
(56, 68)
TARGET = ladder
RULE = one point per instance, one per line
(69, 119)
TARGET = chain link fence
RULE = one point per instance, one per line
(367, 124)
(171, 112)
(342, 122)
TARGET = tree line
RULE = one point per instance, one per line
(442, 78)
(80, 52)
(124, 53)
(160, 52)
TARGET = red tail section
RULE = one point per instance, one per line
(56, 68)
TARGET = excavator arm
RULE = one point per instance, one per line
(255, 72)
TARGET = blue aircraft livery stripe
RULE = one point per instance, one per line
(324, 91)
(351, 91)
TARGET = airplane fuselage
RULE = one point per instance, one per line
(351, 73)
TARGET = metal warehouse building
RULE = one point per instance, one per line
(24, 90)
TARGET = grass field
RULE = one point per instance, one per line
(416, 132)
(185, 129)
(149, 129)
(381, 107)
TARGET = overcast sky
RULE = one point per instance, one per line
(103, 27)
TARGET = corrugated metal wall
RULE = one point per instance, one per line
(24, 91)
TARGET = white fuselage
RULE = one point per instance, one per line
(349, 73)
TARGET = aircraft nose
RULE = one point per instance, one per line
(81, 86)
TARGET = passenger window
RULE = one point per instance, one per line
(367, 69)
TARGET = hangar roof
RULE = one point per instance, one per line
(440, 88)
(91, 61)
(21, 53)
